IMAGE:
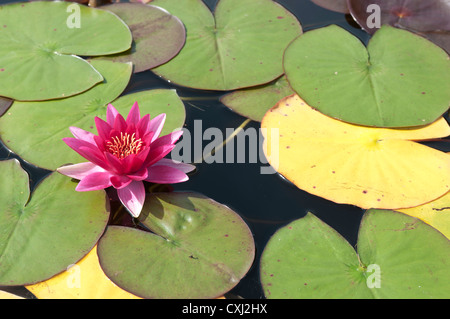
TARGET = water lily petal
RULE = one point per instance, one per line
(142, 155)
(140, 175)
(94, 181)
(147, 137)
(111, 114)
(115, 164)
(132, 197)
(120, 181)
(82, 134)
(103, 128)
(156, 125)
(163, 174)
(75, 143)
(100, 143)
(132, 163)
(156, 154)
(134, 116)
(87, 150)
(184, 167)
(142, 126)
(79, 171)
(120, 125)
(171, 138)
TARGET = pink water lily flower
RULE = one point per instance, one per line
(124, 154)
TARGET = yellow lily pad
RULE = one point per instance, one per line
(8, 295)
(84, 280)
(435, 213)
(351, 164)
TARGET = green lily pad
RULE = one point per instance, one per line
(254, 102)
(398, 256)
(42, 235)
(49, 121)
(157, 35)
(241, 45)
(198, 249)
(400, 80)
(39, 42)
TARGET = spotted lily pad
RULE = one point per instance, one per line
(50, 120)
(399, 80)
(39, 42)
(157, 35)
(364, 166)
(47, 230)
(241, 45)
(397, 256)
(198, 248)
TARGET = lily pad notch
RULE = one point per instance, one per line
(399, 80)
(39, 48)
(196, 248)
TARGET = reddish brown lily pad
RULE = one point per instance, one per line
(333, 5)
(157, 35)
(427, 18)
(5, 103)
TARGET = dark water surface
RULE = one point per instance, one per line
(265, 202)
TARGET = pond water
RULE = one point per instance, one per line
(266, 202)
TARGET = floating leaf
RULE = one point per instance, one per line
(157, 35)
(398, 257)
(50, 120)
(345, 163)
(435, 213)
(83, 280)
(199, 249)
(38, 41)
(242, 45)
(400, 80)
(255, 102)
(42, 235)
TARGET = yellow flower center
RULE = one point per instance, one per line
(124, 145)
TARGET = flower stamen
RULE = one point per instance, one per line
(124, 145)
